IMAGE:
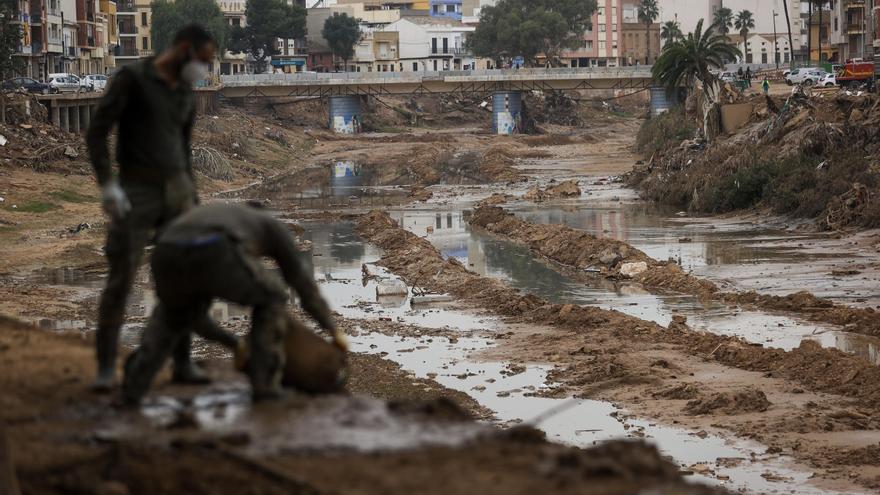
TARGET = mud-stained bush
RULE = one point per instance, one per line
(664, 131)
(212, 163)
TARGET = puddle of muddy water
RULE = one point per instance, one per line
(515, 264)
(338, 256)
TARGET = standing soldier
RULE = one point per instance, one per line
(214, 251)
(152, 104)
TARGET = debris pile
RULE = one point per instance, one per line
(815, 156)
(567, 189)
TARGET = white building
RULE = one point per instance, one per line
(689, 12)
(763, 50)
(431, 44)
(763, 12)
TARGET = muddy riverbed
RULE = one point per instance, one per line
(581, 387)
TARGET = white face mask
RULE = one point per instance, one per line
(194, 71)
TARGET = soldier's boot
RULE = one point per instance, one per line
(266, 363)
(185, 371)
(106, 342)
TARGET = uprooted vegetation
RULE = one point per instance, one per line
(813, 157)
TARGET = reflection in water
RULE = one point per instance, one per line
(515, 264)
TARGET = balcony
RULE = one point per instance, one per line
(855, 29)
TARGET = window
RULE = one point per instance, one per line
(433, 45)
(415, 66)
(236, 21)
(145, 43)
(435, 65)
(450, 9)
(143, 18)
(445, 45)
(601, 28)
(589, 45)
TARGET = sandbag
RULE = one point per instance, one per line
(313, 365)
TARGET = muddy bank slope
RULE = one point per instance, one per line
(810, 156)
(64, 439)
(419, 263)
(580, 250)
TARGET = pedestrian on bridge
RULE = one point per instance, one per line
(214, 252)
(151, 102)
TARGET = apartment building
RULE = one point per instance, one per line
(133, 17)
(853, 28)
(234, 63)
(320, 58)
(405, 5)
(450, 9)
(687, 13)
(601, 42)
(635, 36)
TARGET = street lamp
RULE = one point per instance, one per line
(775, 41)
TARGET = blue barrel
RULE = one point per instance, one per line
(506, 112)
(345, 114)
(660, 101)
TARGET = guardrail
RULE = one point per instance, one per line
(640, 72)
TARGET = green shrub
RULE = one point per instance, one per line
(664, 131)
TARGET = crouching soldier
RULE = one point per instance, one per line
(214, 252)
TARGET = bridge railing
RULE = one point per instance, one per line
(329, 78)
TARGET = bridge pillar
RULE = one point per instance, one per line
(660, 101)
(345, 114)
(506, 112)
(74, 118)
(85, 117)
(64, 118)
(55, 115)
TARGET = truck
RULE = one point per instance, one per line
(856, 72)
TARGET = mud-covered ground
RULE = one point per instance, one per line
(806, 415)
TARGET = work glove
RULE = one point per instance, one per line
(114, 200)
(339, 339)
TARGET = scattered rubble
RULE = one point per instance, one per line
(567, 189)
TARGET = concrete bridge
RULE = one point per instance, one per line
(345, 90)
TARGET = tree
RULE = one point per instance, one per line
(648, 12)
(745, 21)
(670, 32)
(10, 39)
(788, 23)
(267, 21)
(342, 34)
(691, 60)
(529, 28)
(820, 5)
(171, 15)
(723, 20)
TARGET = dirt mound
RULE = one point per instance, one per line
(684, 391)
(813, 157)
(420, 264)
(63, 442)
(744, 401)
(866, 456)
(858, 320)
(582, 251)
(567, 189)
(579, 250)
(497, 165)
(549, 140)
(495, 199)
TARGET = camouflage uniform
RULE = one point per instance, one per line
(214, 252)
(155, 171)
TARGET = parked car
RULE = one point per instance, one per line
(63, 82)
(807, 76)
(828, 81)
(728, 77)
(28, 84)
(97, 82)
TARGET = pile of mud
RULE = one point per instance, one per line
(582, 251)
(566, 189)
(420, 264)
(809, 156)
(743, 401)
(616, 259)
(62, 439)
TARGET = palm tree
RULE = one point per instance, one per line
(691, 60)
(788, 23)
(670, 31)
(648, 13)
(723, 20)
(820, 4)
(744, 22)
